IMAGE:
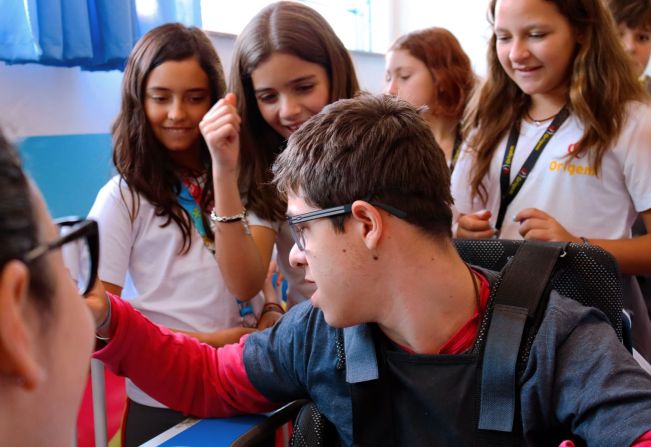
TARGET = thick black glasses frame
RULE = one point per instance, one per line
(331, 212)
(86, 229)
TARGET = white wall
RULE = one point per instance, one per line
(466, 19)
(38, 100)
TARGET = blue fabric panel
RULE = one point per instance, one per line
(361, 362)
(92, 34)
(69, 169)
(18, 32)
(118, 25)
(51, 29)
(214, 432)
(77, 42)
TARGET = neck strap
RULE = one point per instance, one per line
(510, 189)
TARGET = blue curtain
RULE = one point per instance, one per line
(91, 34)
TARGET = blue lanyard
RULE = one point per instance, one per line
(190, 205)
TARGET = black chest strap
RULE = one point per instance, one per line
(524, 282)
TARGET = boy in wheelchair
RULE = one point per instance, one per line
(391, 346)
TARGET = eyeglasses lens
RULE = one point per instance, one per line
(76, 257)
(297, 236)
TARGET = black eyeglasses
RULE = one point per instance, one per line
(79, 243)
(297, 232)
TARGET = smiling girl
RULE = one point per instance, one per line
(560, 138)
(157, 243)
(287, 65)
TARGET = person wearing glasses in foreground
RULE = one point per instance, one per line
(46, 330)
(396, 311)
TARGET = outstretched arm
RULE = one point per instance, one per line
(176, 369)
(215, 339)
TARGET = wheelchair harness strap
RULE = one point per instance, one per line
(523, 284)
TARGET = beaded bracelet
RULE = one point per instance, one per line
(272, 307)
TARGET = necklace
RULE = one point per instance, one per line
(540, 121)
(476, 288)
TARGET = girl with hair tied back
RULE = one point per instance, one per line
(429, 68)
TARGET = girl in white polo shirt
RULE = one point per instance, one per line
(158, 247)
(559, 138)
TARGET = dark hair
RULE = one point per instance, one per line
(449, 66)
(19, 231)
(290, 28)
(601, 85)
(632, 13)
(139, 157)
(370, 147)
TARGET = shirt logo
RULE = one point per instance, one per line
(571, 168)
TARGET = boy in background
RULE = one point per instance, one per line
(633, 19)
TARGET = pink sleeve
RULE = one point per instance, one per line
(643, 441)
(178, 370)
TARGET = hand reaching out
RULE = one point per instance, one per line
(270, 288)
(224, 337)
